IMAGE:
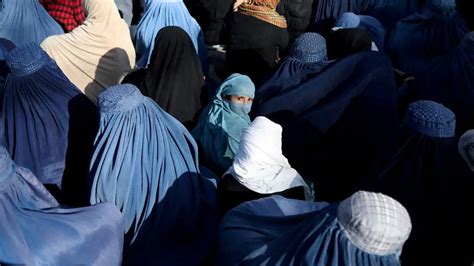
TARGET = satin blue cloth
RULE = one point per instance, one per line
(146, 163)
(36, 231)
(371, 24)
(421, 168)
(26, 21)
(159, 14)
(219, 127)
(334, 122)
(280, 231)
(420, 38)
(450, 81)
(49, 124)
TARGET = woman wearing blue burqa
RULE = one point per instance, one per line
(49, 125)
(365, 229)
(450, 81)
(372, 25)
(25, 21)
(334, 121)
(159, 14)
(146, 163)
(306, 59)
(36, 231)
(423, 36)
(421, 168)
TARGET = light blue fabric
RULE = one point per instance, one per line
(159, 14)
(26, 21)
(126, 7)
(219, 127)
(146, 163)
(310, 47)
(347, 20)
(34, 230)
(373, 26)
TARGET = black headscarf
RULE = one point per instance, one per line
(345, 42)
(174, 77)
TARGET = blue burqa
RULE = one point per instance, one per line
(371, 24)
(422, 37)
(307, 58)
(384, 10)
(329, 119)
(450, 81)
(49, 124)
(159, 14)
(422, 169)
(146, 163)
(26, 21)
(5, 47)
(280, 231)
(36, 231)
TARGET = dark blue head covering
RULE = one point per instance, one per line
(310, 47)
(146, 163)
(26, 21)
(431, 119)
(329, 119)
(450, 81)
(421, 168)
(365, 229)
(307, 58)
(43, 112)
(371, 24)
(30, 220)
(423, 36)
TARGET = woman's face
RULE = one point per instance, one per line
(240, 99)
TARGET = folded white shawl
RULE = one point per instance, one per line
(260, 165)
(97, 54)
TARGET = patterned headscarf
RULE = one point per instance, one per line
(264, 10)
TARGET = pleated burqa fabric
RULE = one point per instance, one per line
(174, 78)
(49, 124)
(421, 168)
(364, 229)
(330, 118)
(159, 14)
(26, 21)
(422, 37)
(450, 81)
(35, 230)
(145, 162)
(97, 54)
(5, 47)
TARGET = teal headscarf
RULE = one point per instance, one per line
(221, 122)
